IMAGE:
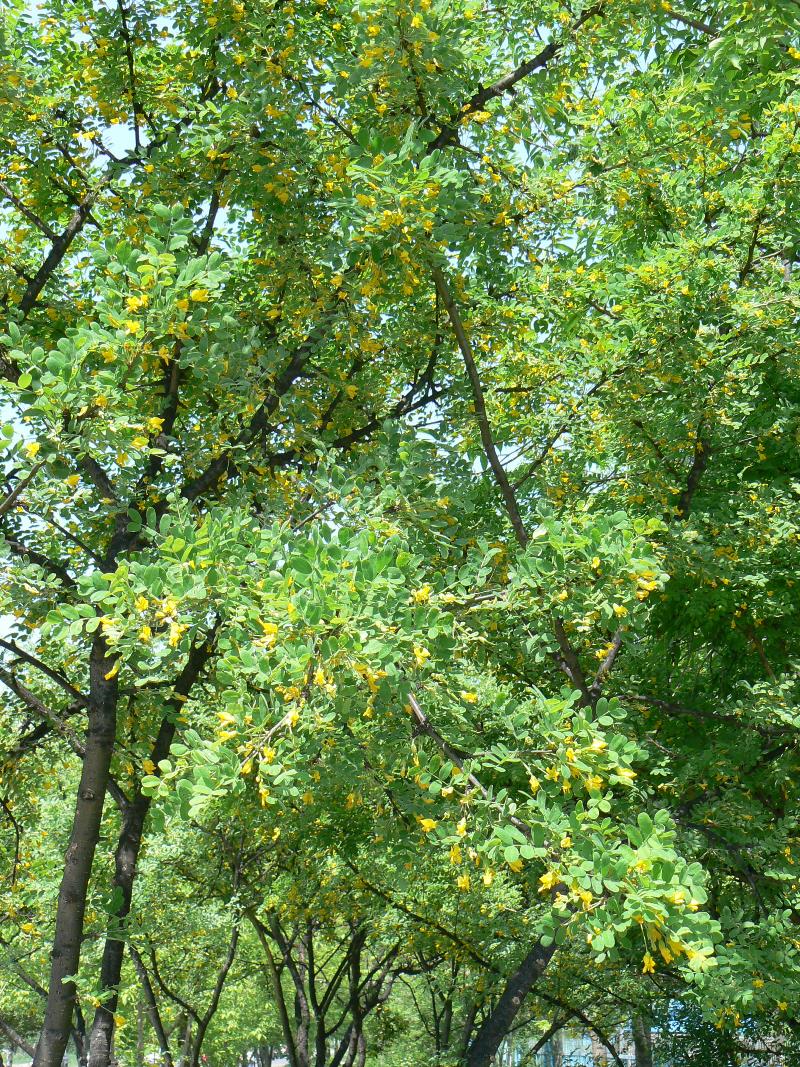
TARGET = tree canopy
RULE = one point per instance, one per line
(400, 528)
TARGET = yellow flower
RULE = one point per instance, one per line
(469, 698)
(421, 655)
(145, 633)
(421, 596)
(141, 603)
(139, 442)
(515, 865)
(182, 304)
(155, 425)
(455, 854)
(488, 877)
(648, 964)
(72, 480)
(132, 326)
(427, 824)
(32, 449)
(463, 881)
(200, 296)
(566, 841)
(547, 881)
(758, 983)
(148, 766)
(461, 829)
(599, 744)
(113, 672)
(535, 784)
(270, 630)
(176, 632)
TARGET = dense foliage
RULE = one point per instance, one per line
(400, 530)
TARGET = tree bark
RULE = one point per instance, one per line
(126, 857)
(16, 1040)
(65, 955)
(277, 990)
(152, 1007)
(494, 1028)
(186, 1044)
(140, 1017)
(642, 1040)
(462, 1044)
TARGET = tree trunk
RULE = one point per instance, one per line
(126, 857)
(152, 1006)
(302, 1031)
(445, 1029)
(79, 1036)
(204, 1023)
(140, 1017)
(277, 991)
(642, 1040)
(558, 1049)
(361, 1051)
(494, 1028)
(65, 954)
(466, 1029)
(186, 1044)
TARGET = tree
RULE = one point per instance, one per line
(402, 412)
